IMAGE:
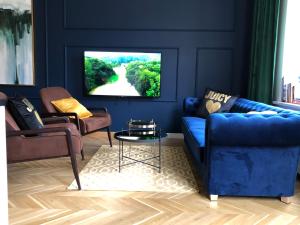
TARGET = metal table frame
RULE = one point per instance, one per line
(122, 156)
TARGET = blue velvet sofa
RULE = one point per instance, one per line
(240, 154)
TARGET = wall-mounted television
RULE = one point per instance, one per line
(122, 73)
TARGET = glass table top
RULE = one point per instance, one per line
(140, 135)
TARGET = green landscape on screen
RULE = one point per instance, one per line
(122, 73)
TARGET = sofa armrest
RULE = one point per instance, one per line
(237, 129)
(190, 105)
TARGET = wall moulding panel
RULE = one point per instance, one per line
(161, 15)
(144, 39)
(214, 69)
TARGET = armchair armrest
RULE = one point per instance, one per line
(99, 109)
(237, 129)
(60, 114)
(38, 131)
(67, 131)
(51, 120)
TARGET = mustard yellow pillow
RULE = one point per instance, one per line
(66, 105)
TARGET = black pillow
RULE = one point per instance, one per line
(215, 101)
(24, 113)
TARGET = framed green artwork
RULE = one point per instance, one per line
(16, 43)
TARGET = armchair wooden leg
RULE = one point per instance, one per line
(109, 136)
(75, 170)
(82, 154)
(73, 157)
(286, 200)
(213, 197)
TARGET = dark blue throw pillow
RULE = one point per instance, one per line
(24, 113)
(215, 101)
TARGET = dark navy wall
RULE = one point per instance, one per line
(204, 43)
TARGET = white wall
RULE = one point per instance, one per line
(3, 170)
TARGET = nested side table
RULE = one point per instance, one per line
(139, 135)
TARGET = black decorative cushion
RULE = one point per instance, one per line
(215, 101)
(24, 113)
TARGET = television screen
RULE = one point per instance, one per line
(122, 73)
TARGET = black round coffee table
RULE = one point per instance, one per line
(140, 135)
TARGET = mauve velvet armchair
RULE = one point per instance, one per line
(101, 119)
(53, 140)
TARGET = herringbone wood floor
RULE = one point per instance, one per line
(38, 195)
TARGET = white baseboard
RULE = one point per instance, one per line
(175, 135)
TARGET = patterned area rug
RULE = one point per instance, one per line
(102, 171)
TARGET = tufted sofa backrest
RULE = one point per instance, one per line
(243, 105)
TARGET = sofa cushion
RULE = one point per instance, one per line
(215, 101)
